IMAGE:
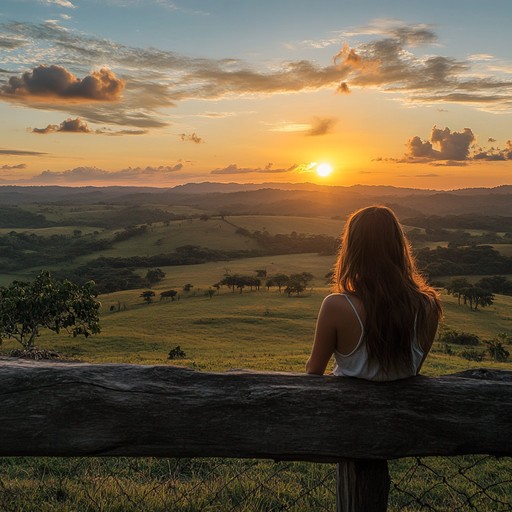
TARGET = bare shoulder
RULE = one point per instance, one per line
(335, 302)
(340, 307)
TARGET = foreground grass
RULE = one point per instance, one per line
(260, 330)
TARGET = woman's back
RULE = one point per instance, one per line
(382, 322)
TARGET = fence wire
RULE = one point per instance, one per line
(455, 484)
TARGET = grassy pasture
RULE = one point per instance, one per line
(258, 330)
(261, 330)
(285, 225)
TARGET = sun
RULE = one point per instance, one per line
(324, 170)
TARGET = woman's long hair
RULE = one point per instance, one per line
(375, 263)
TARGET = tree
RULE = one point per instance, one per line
(46, 303)
(187, 287)
(478, 297)
(147, 296)
(168, 294)
(154, 275)
(280, 280)
(497, 351)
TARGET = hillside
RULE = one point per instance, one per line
(304, 199)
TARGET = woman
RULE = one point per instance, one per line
(381, 322)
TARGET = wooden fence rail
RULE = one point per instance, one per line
(77, 409)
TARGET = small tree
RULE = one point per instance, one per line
(45, 303)
(497, 351)
(154, 275)
(168, 294)
(147, 295)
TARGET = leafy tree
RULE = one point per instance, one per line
(497, 351)
(478, 297)
(168, 294)
(188, 287)
(46, 303)
(294, 286)
(457, 286)
(280, 280)
(154, 275)
(147, 296)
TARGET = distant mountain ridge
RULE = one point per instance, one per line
(276, 198)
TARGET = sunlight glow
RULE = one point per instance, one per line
(324, 170)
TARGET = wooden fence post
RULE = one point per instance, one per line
(362, 485)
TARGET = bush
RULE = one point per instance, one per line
(176, 353)
(459, 338)
(473, 355)
(497, 351)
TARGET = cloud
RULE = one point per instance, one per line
(18, 152)
(427, 175)
(67, 126)
(60, 3)
(450, 146)
(387, 64)
(193, 137)
(57, 83)
(85, 174)
(10, 43)
(12, 167)
(445, 148)
(234, 169)
(322, 126)
(494, 154)
(343, 88)
(80, 126)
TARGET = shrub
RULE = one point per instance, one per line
(473, 355)
(459, 338)
(497, 351)
(176, 353)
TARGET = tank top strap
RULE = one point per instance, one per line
(355, 312)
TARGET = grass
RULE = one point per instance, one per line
(258, 330)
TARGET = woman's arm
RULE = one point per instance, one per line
(426, 340)
(325, 338)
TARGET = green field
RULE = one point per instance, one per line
(262, 330)
(254, 330)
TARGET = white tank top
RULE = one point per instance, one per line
(357, 363)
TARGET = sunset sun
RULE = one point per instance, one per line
(324, 170)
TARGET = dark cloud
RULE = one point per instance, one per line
(10, 43)
(322, 126)
(450, 149)
(18, 152)
(80, 126)
(67, 126)
(57, 83)
(12, 167)
(428, 175)
(343, 88)
(442, 145)
(386, 64)
(494, 154)
(193, 137)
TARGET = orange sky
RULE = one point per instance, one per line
(170, 93)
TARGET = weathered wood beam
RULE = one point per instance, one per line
(76, 409)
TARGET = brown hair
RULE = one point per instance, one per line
(376, 264)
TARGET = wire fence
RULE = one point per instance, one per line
(454, 484)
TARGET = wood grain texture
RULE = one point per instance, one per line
(65, 409)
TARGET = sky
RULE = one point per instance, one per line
(161, 93)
